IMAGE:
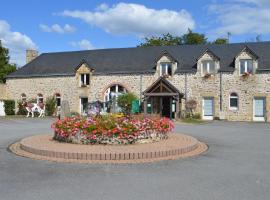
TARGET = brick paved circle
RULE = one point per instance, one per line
(45, 148)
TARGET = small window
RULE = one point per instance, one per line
(58, 99)
(84, 80)
(39, 98)
(208, 67)
(234, 101)
(165, 69)
(246, 66)
(23, 97)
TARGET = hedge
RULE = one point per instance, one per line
(9, 107)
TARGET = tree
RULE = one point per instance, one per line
(165, 40)
(5, 67)
(221, 41)
(124, 101)
(168, 39)
(193, 38)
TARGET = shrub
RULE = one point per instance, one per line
(50, 106)
(9, 107)
(21, 108)
(125, 102)
(192, 115)
(196, 116)
(191, 105)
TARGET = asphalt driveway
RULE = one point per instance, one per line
(236, 166)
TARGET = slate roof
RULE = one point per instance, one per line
(139, 59)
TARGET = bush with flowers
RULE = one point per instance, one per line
(111, 130)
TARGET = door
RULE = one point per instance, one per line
(83, 104)
(259, 109)
(166, 107)
(208, 108)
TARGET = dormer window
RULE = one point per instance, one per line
(246, 66)
(84, 80)
(165, 69)
(208, 67)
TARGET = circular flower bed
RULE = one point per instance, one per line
(111, 130)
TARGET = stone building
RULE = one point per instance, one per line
(229, 81)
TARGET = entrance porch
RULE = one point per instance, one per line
(162, 99)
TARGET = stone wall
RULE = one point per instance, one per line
(198, 87)
(3, 91)
(67, 87)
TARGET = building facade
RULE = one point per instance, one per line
(230, 81)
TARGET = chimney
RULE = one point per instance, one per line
(31, 54)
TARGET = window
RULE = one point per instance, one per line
(58, 99)
(165, 69)
(234, 101)
(114, 91)
(23, 97)
(246, 66)
(208, 67)
(84, 80)
(39, 98)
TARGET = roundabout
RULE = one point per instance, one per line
(43, 147)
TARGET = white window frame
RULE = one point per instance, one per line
(246, 66)
(82, 83)
(166, 68)
(208, 67)
(234, 97)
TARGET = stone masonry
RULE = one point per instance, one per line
(256, 85)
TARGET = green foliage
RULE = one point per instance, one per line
(221, 41)
(125, 102)
(21, 108)
(193, 38)
(50, 106)
(188, 38)
(9, 107)
(5, 67)
(193, 116)
(165, 40)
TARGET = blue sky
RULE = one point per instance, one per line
(58, 25)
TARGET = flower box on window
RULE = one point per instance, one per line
(207, 75)
(246, 74)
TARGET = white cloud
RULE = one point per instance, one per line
(242, 17)
(56, 28)
(257, 2)
(16, 42)
(128, 18)
(82, 44)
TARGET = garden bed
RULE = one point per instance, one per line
(111, 130)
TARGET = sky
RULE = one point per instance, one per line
(71, 25)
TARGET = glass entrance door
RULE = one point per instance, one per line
(259, 109)
(208, 108)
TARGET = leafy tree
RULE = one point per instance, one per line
(5, 67)
(168, 39)
(193, 38)
(165, 40)
(124, 101)
(221, 41)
